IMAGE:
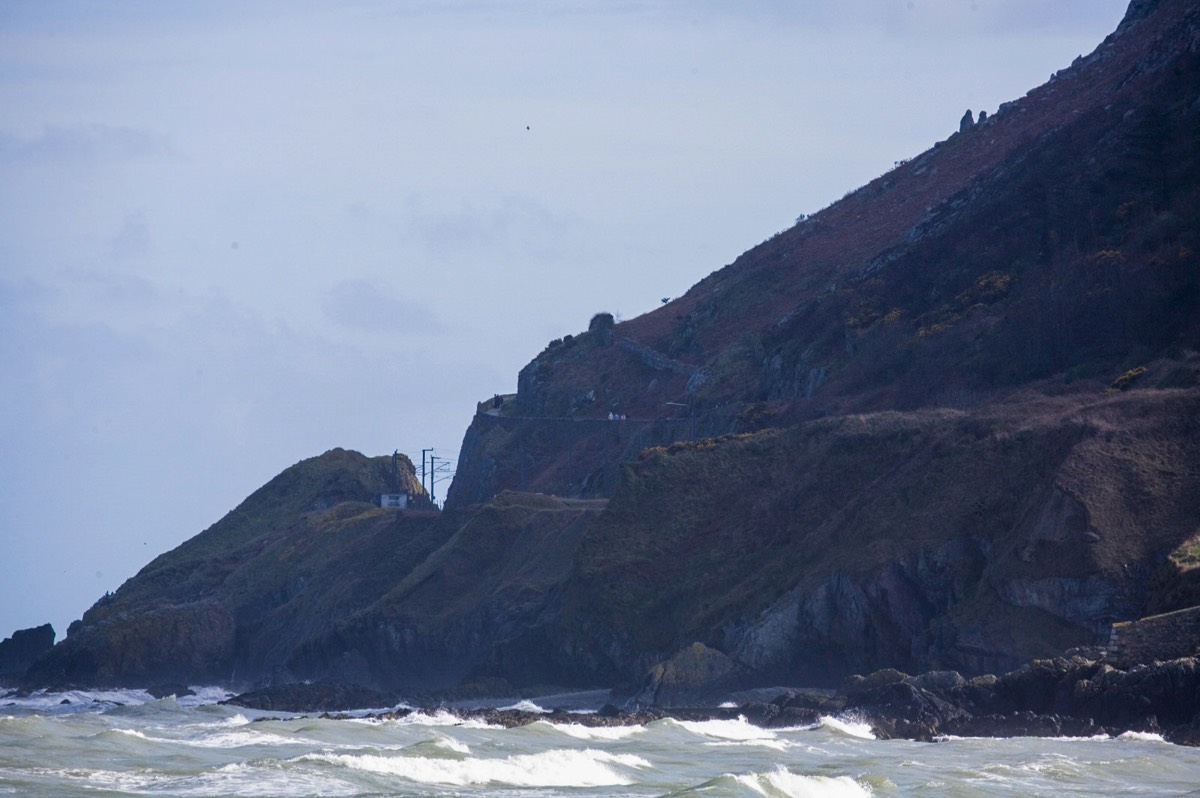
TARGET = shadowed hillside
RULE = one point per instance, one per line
(951, 421)
(1054, 244)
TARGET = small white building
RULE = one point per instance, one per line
(394, 501)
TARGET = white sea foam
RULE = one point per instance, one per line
(231, 779)
(850, 727)
(238, 735)
(760, 742)
(204, 695)
(580, 732)
(233, 720)
(527, 706)
(75, 700)
(441, 718)
(795, 785)
(1149, 737)
(239, 738)
(726, 729)
(554, 768)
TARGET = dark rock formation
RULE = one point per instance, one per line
(309, 697)
(1046, 698)
(231, 604)
(967, 122)
(694, 676)
(20, 651)
(170, 690)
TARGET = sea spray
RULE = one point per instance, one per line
(161, 748)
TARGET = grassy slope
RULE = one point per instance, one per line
(702, 538)
(498, 568)
(1057, 241)
(302, 550)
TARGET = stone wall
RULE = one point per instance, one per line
(1157, 637)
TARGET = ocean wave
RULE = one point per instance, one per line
(75, 700)
(739, 729)
(580, 732)
(783, 783)
(1149, 737)
(239, 738)
(848, 726)
(526, 705)
(437, 747)
(265, 779)
(555, 768)
(441, 718)
(204, 694)
(761, 742)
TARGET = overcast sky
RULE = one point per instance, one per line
(235, 235)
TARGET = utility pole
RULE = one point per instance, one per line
(427, 490)
(432, 477)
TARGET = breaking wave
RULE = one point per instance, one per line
(555, 768)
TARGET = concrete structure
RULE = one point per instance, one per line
(394, 501)
(1157, 637)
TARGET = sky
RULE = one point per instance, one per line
(234, 235)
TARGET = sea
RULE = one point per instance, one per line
(127, 744)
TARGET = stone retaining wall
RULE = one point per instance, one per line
(1157, 637)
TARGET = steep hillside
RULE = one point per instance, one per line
(309, 578)
(1054, 244)
(925, 540)
(232, 603)
(951, 421)
(443, 623)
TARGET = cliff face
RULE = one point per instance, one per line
(465, 614)
(951, 421)
(20, 651)
(1053, 245)
(951, 473)
(928, 540)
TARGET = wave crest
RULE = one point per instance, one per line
(556, 768)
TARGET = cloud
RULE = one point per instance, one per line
(364, 306)
(517, 224)
(132, 240)
(90, 144)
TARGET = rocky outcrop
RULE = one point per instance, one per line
(1067, 696)
(231, 604)
(20, 651)
(695, 676)
(925, 540)
(310, 697)
(1046, 698)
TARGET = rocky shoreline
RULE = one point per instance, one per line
(1062, 697)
